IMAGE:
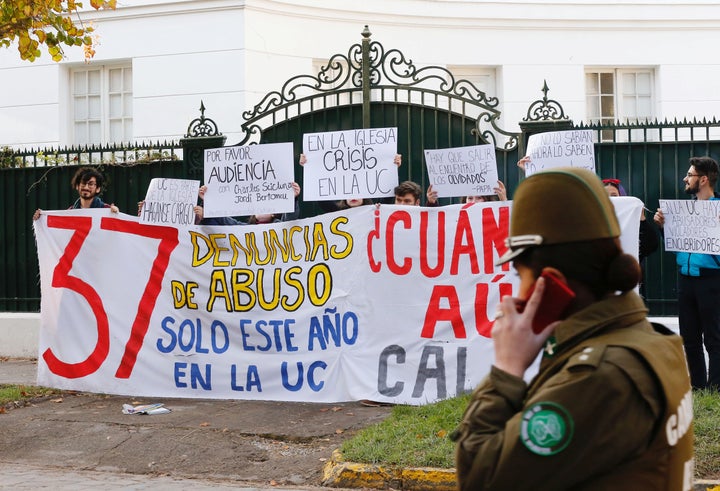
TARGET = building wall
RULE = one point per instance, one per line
(229, 54)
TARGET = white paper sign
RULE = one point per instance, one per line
(249, 180)
(462, 171)
(554, 149)
(170, 202)
(691, 225)
(350, 164)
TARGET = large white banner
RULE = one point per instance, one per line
(386, 303)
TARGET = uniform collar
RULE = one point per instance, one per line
(611, 313)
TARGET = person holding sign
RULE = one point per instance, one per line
(699, 287)
(408, 193)
(500, 195)
(611, 404)
(649, 242)
(88, 182)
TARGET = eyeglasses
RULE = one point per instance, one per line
(694, 175)
(89, 184)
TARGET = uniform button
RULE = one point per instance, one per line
(587, 350)
(583, 357)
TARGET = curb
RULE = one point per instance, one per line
(337, 473)
(340, 474)
(706, 485)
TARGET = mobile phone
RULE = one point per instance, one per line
(555, 301)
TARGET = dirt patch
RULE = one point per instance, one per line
(252, 442)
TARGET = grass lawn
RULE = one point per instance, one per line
(418, 436)
(12, 396)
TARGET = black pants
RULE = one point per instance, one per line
(699, 317)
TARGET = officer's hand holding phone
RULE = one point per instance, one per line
(522, 327)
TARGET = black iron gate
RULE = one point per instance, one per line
(367, 87)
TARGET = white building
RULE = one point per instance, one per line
(158, 59)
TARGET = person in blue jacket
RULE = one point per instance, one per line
(699, 287)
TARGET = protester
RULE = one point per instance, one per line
(699, 287)
(611, 406)
(88, 182)
(354, 202)
(408, 193)
(647, 236)
(500, 195)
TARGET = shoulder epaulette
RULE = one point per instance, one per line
(588, 356)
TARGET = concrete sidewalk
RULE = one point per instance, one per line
(22, 371)
(226, 443)
(32, 477)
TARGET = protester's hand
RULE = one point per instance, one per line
(199, 214)
(303, 159)
(523, 161)
(114, 209)
(140, 206)
(296, 189)
(431, 195)
(397, 160)
(516, 345)
(501, 191)
(201, 192)
(659, 218)
(37, 214)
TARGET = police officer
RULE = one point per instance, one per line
(611, 405)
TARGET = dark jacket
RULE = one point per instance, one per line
(610, 408)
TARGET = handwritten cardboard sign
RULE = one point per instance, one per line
(691, 225)
(249, 180)
(574, 148)
(462, 171)
(170, 202)
(350, 164)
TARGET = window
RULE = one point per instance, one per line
(102, 104)
(625, 95)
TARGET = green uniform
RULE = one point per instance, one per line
(610, 408)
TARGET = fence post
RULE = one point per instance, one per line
(202, 133)
(366, 77)
(543, 115)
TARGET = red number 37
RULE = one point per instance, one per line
(62, 278)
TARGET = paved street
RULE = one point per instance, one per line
(23, 476)
(84, 441)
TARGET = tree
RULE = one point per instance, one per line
(48, 22)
